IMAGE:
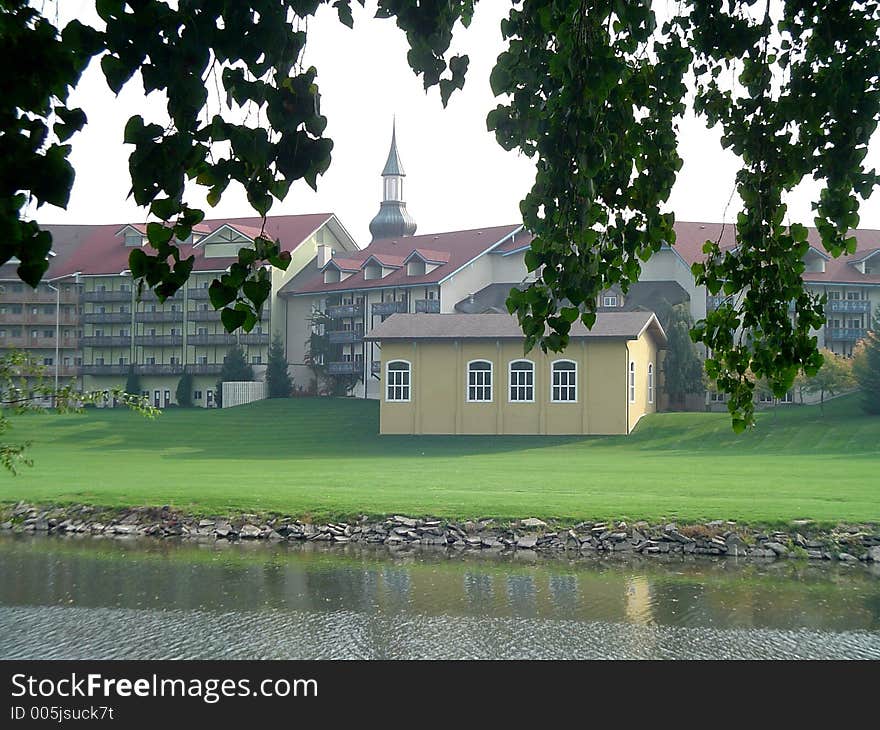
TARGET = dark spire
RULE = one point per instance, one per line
(392, 220)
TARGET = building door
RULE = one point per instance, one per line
(156, 399)
(209, 398)
(167, 398)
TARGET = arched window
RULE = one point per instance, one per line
(479, 379)
(632, 382)
(398, 381)
(563, 381)
(650, 382)
(522, 381)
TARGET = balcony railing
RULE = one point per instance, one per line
(159, 340)
(427, 306)
(206, 340)
(197, 293)
(254, 338)
(345, 368)
(159, 369)
(107, 296)
(205, 368)
(106, 317)
(344, 337)
(345, 310)
(105, 369)
(844, 334)
(159, 316)
(849, 305)
(389, 307)
(106, 341)
(42, 296)
(204, 315)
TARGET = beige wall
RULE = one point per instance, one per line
(438, 403)
(641, 353)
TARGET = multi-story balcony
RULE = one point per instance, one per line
(844, 334)
(389, 307)
(18, 342)
(849, 305)
(427, 306)
(105, 369)
(206, 340)
(345, 310)
(107, 317)
(254, 338)
(65, 318)
(107, 296)
(346, 337)
(205, 368)
(106, 341)
(159, 316)
(345, 368)
(197, 293)
(159, 340)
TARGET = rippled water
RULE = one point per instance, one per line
(86, 598)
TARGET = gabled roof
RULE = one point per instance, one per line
(100, 250)
(610, 325)
(428, 256)
(343, 264)
(388, 261)
(142, 228)
(251, 233)
(458, 247)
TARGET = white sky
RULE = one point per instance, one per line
(457, 175)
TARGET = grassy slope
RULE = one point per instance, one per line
(325, 458)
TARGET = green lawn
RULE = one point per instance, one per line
(324, 458)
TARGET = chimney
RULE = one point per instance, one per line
(324, 254)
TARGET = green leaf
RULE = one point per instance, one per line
(232, 319)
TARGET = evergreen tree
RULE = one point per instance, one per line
(133, 382)
(235, 369)
(866, 368)
(185, 390)
(683, 368)
(278, 378)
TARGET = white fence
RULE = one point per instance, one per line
(237, 393)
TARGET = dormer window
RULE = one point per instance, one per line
(372, 271)
(331, 275)
(133, 238)
(415, 267)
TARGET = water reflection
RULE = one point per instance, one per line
(97, 598)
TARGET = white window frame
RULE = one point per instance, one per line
(482, 385)
(405, 387)
(520, 386)
(650, 382)
(554, 384)
(632, 381)
(609, 300)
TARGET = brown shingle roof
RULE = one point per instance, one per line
(616, 325)
(102, 251)
(459, 246)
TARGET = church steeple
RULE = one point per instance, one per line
(392, 220)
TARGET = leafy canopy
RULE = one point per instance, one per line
(592, 88)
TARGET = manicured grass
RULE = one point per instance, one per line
(325, 458)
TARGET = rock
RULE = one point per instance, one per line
(777, 548)
(407, 521)
(205, 523)
(874, 554)
(735, 546)
(6, 526)
(847, 558)
(675, 535)
(526, 542)
(249, 532)
(532, 522)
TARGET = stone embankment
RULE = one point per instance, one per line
(844, 543)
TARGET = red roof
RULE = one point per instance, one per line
(102, 251)
(459, 247)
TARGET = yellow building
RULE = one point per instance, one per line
(467, 374)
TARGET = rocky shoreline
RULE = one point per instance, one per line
(850, 543)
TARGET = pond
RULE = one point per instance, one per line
(93, 598)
